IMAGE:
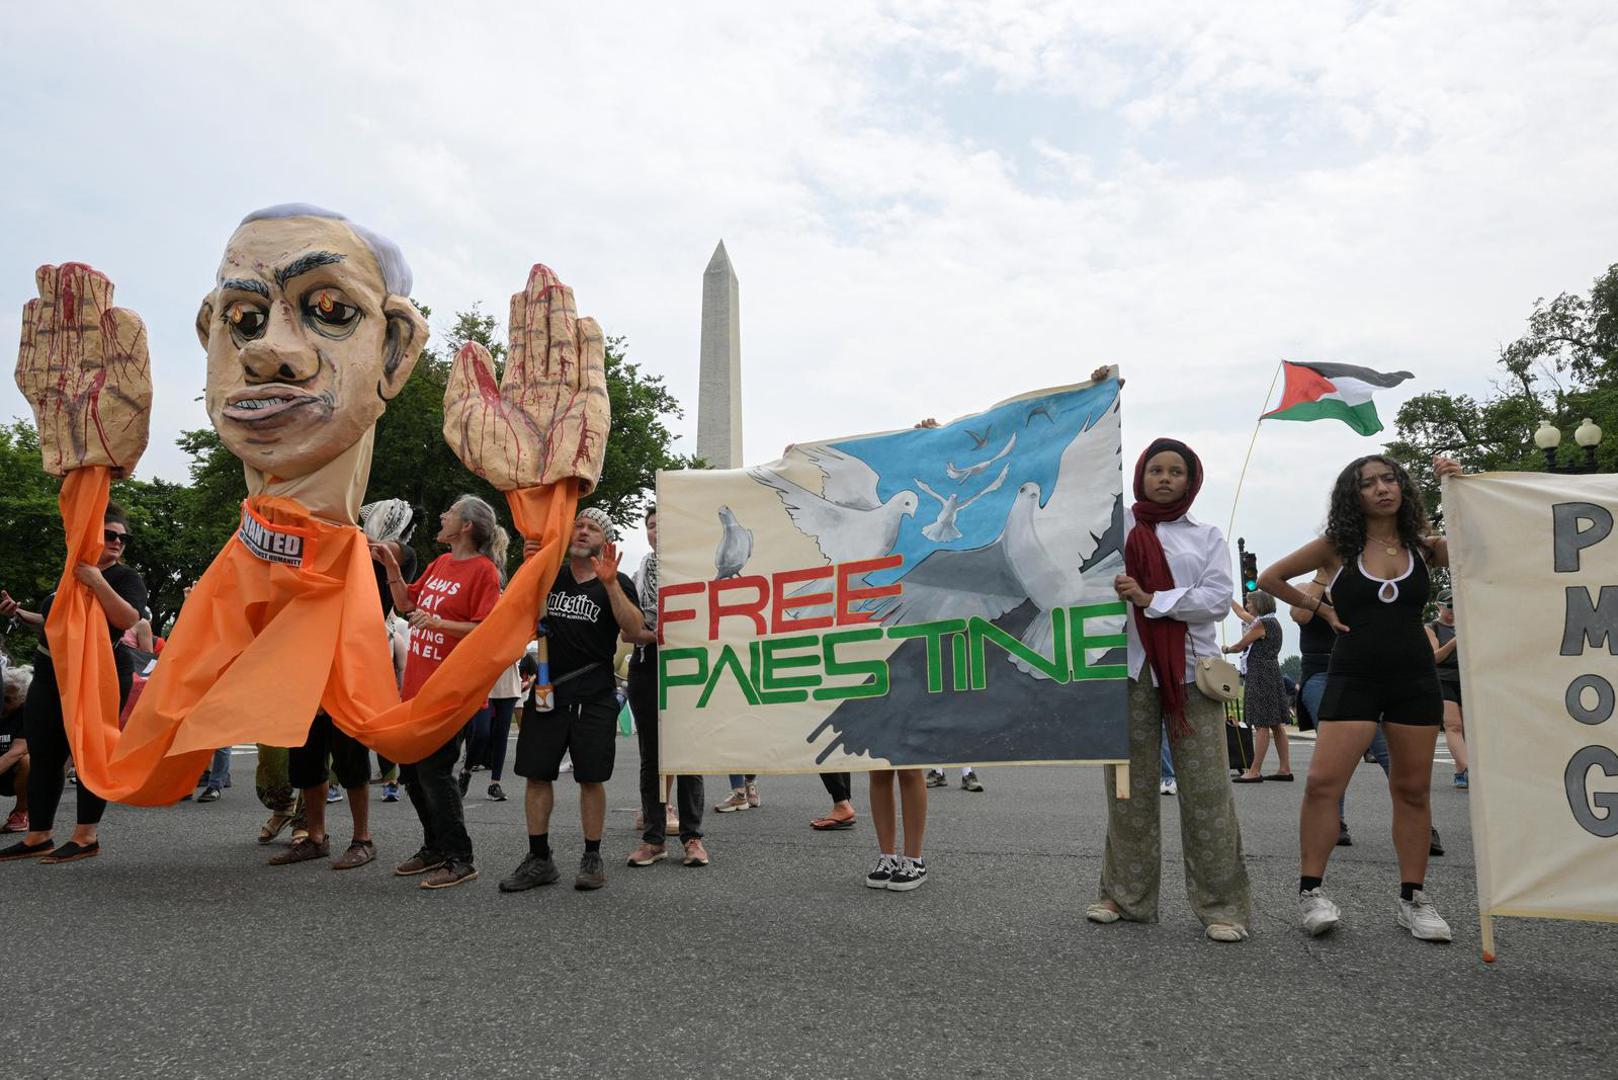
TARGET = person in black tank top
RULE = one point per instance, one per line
(1375, 554)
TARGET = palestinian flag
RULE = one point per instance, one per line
(1334, 392)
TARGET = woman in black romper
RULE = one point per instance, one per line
(1375, 554)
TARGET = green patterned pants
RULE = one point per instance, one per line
(1131, 869)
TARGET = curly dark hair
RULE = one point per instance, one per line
(1345, 521)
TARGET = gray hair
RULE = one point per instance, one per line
(1261, 602)
(490, 538)
(395, 271)
(17, 681)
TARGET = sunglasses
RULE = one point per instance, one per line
(112, 537)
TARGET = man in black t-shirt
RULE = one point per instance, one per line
(13, 745)
(590, 606)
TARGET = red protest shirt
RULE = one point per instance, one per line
(456, 590)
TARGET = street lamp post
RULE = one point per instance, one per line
(1587, 435)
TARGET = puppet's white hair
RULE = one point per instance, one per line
(395, 271)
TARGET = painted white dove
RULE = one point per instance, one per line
(944, 530)
(961, 476)
(848, 522)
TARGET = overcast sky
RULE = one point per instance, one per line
(930, 206)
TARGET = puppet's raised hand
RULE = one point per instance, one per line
(546, 420)
(83, 368)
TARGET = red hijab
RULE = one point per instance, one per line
(1144, 560)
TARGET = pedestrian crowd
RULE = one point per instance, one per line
(1376, 680)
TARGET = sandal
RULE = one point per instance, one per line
(831, 824)
(274, 827)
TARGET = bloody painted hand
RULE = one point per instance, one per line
(546, 420)
(83, 368)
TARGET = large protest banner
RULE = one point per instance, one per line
(1536, 581)
(925, 597)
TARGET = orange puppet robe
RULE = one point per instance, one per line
(283, 622)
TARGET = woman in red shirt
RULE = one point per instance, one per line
(455, 593)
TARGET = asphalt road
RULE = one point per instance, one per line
(179, 954)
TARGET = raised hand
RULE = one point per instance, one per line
(83, 368)
(606, 564)
(546, 420)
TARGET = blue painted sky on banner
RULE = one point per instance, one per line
(1044, 426)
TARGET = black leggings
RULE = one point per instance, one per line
(490, 734)
(48, 750)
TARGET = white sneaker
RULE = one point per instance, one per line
(1168, 787)
(1421, 918)
(1319, 914)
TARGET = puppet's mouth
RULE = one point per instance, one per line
(266, 403)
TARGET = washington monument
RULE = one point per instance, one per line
(719, 386)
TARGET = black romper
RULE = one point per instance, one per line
(1383, 667)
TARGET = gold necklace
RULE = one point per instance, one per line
(1390, 546)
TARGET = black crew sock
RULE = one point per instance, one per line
(1305, 883)
(1407, 889)
(592, 847)
(539, 846)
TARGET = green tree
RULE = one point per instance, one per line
(1292, 667)
(1564, 368)
(32, 551)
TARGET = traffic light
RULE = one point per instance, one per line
(1249, 572)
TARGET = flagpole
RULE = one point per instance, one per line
(1242, 479)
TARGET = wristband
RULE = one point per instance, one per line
(1318, 601)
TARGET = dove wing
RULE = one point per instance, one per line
(822, 521)
(1085, 509)
(922, 484)
(955, 585)
(993, 485)
(849, 481)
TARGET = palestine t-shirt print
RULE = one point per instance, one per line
(583, 631)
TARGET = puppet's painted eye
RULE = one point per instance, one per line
(327, 308)
(246, 320)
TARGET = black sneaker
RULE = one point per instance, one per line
(497, 793)
(910, 874)
(1436, 846)
(879, 878)
(935, 778)
(466, 781)
(1343, 839)
(531, 873)
(209, 794)
(592, 872)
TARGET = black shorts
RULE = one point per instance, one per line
(1396, 699)
(8, 783)
(586, 729)
(1450, 690)
(306, 764)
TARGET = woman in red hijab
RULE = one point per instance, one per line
(1178, 585)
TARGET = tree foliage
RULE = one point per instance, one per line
(1564, 368)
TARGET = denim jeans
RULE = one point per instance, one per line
(1168, 762)
(431, 785)
(1313, 692)
(219, 769)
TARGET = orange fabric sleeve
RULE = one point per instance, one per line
(260, 646)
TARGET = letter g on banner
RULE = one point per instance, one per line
(1579, 796)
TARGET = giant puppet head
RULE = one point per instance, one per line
(310, 332)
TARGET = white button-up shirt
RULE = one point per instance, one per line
(1199, 560)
